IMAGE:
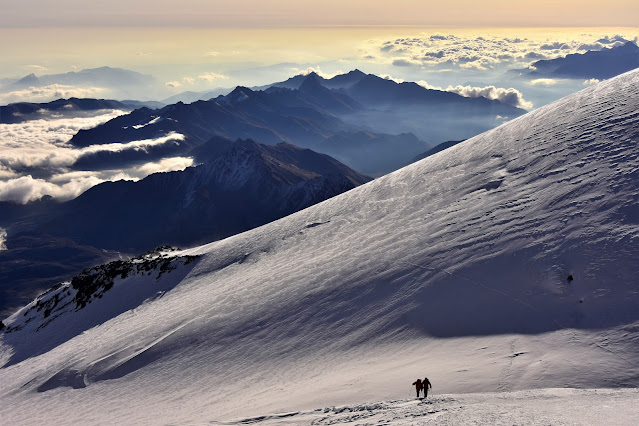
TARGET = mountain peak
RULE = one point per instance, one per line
(312, 82)
(629, 45)
(30, 79)
(239, 94)
(355, 72)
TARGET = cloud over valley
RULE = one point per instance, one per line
(36, 158)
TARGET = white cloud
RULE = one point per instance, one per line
(66, 186)
(173, 84)
(211, 76)
(6, 173)
(318, 71)
(188, 80)
(475, 65)
(390, 77)
(543, 82)
(426, 85)
(36, 67)
(482, 53)
(164, 165)
(508, 96)
(212, 53)
(41, 146)
(48, 93)
(26, 188)
(591, 81)
(136, 145)
(3, 239)
(43, 143)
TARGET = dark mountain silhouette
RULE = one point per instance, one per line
(190, 96)
(308, 110)
(268, 117)
(391, 108)
(35, 262)
(325, 98)
(602, 64)
(247, 185)
(24, 111)
(344, 81)
(442, 146)
(375, 92)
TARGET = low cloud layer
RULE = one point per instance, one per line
(36, 159)
(543, 82)
(508, 96)
(481, 53)
(212, 76)
(316, 70)
(49, 93)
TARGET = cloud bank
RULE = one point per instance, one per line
(36, 159)
(212, 76)
(49, 93)
(317, 70)
(480, 53)
(508, 96)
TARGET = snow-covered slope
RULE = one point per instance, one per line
(506, 262)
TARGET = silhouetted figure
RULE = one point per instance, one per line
(418, 386)
(426, 384)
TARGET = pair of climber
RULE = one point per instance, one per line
(422, 385)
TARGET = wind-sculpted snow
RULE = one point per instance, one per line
(507, 262)
(552, 406)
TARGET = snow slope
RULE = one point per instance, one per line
(507, 262)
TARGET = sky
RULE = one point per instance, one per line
(261, 13)
(462, 46)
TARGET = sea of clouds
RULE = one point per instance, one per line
(483, 58)
(36, 159)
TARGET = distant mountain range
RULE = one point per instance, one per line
(25, 111)
(190, 96)
(344, 117)
(102, 77)
(246, 185)
(115, 83)
(602, 64)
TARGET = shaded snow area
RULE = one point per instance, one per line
(505, 264)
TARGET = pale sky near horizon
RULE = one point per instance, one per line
(464, 46)
(260, 13)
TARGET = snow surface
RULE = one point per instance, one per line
(505, 264)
